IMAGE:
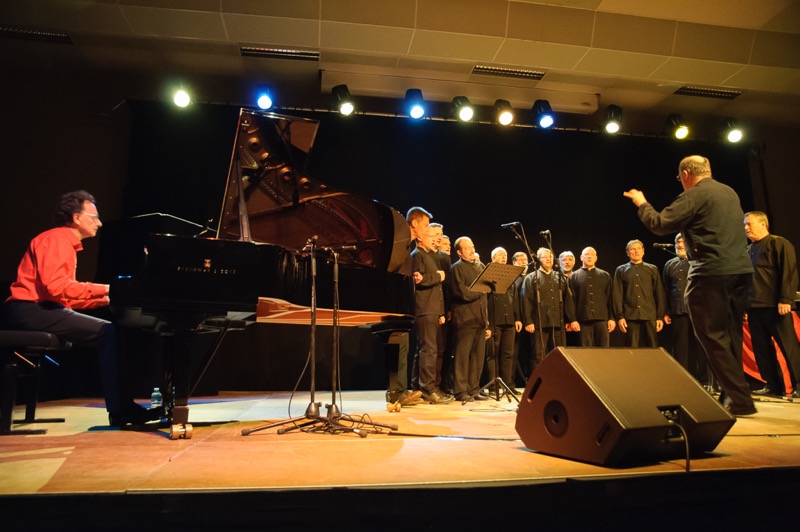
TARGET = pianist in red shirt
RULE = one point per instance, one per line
(46, 295)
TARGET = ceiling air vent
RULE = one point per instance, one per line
(508, 72)
(708, 92)
(31, 34)
(279, 53)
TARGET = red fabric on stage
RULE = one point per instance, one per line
(749, 359)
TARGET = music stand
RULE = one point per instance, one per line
(496, 278)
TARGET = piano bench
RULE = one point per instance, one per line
(22, 353)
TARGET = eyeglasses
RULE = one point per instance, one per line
(90, 215)
(678, 177)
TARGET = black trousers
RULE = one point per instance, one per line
(641, 333)
(686, 349)
(427, 331)
(765, 325)
(470, 349)
(544, 340)
(80, 329)
(716, 306)
(594, 333)
(501, 353)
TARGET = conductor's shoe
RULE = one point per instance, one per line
(134, 415)
(741, 411)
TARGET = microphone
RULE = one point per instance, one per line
(663, 246)
(545, 232)
(510, 224)
(311, 242)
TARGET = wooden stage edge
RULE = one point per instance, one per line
(445, 467)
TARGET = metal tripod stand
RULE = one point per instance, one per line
(334, 421)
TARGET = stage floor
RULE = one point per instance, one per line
(450, 446)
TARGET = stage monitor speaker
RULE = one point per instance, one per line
(615, 406)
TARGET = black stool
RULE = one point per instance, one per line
(22, 356)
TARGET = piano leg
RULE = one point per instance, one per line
(179, 371)
(177, 377)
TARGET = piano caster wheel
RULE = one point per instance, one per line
(180, 432)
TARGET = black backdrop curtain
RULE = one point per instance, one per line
(472, 177)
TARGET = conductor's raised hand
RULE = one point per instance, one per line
(637, 196)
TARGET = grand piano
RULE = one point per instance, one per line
(271, 211)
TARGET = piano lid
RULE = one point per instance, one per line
(270, 198)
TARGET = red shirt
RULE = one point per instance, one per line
(47, 273)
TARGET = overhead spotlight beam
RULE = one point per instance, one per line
(181, 98)
(733, 133)
(677, 127)
(264, 97)
(343, 100)
(462, 109)
(613, 119)
(504, 113)
(415, 103)
(542, 114)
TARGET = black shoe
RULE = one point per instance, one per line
(135, 415)
(795, 394)
(464, 397)
(741, 411)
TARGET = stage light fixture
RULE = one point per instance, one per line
(677, 127)
(344, 103)
(463, 109)
(733, 133)
(181, 98)
(264, 97)
(613, 119)
(504, 112)
(415, 103)
(542, 114)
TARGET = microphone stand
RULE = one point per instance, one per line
(662, 248)
(333, 421)
(312, 411)
(548, 238)
(520, 235)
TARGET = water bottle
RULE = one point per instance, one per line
(156, 400)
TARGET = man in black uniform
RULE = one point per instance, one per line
(429, 314)
(709, 216)
(591, 290)
(638, 298)
(505, 321)
(419, 225)
(769, 309)
(547, 306)
(470, 322)
(444, 365)
(522, 342)
(685, 348)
